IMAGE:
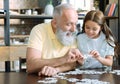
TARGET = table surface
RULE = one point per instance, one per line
(24, 78)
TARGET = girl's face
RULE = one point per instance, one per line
(92, 29)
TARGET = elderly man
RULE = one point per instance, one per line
(51, 47)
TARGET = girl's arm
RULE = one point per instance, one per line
(108, 60)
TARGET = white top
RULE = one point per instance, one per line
(86, 44)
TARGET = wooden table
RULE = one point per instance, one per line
(24, 78)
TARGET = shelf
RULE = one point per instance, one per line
(17, 36)
(111, 17)
(18, 44)
(24, 16)
(2, 16)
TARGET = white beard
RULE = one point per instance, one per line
(65, 39)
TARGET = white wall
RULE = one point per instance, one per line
(82, 4)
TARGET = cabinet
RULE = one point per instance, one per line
(7, 17)
(23, 20)
(113, 23)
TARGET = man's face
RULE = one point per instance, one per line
(66, 38)
(66, 27)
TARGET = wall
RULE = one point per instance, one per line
(21, 4)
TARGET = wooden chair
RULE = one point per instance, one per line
(22, 64)
(18, 53)
(4, 57)
(4, 53)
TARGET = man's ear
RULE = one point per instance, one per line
(54, 25)
(53, 22)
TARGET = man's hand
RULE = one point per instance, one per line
(73, 55)
(48, 71)
(80, 60)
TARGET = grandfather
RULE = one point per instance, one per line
(52, 46)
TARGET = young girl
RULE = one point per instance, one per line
(96, 42)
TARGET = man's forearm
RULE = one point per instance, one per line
(35, 65)
(66, 67)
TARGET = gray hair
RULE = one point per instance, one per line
(59, 9)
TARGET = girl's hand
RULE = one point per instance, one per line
(95, 54)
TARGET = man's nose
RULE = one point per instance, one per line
(73, 28)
